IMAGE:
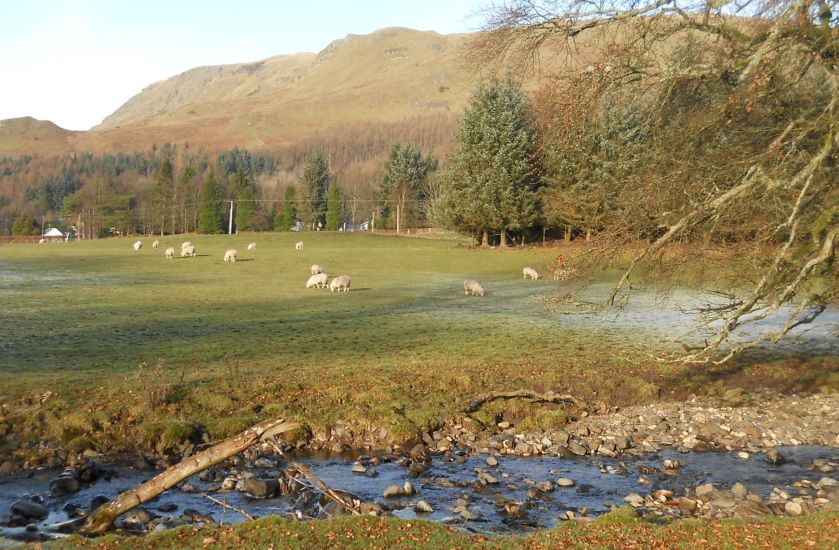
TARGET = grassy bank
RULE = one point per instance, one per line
(225, 345)
(617, 530)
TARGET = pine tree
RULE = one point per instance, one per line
(288, 218)
(164, 183)
(405, 173)
(316, 178)
(210, 217)
(491, 181)
(245, 209)
(334, 208)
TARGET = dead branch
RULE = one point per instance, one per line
(230, 507)
(101, 519)
(549, 397)
(330, 493)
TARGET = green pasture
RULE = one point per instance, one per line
(228, 344)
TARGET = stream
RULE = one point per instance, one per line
(599, 483)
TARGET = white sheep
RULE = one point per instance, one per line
(230, 255)
(565, 273)
(472, 287)
(185, 244)
(316, 269)
(188, 251)
(138, 245)
(42, 241)
(252, 246)
(299, 246)
(339, 283)
(317, 280)
(530, 272)
(155, 245)
(170, 253)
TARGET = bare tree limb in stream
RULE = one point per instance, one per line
(101, 519)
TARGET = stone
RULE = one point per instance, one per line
(64, 485)
(420, 453)
(546, 486)
(492, 461)
(565, 482)
(723, 500)
(358, 468)
(29, 509)
(739, 491)
(138, 515)
(394, 491)
(634, 499)
(422, 507)
(793, 508)
(168, 507)
(743, 455)
(370, 509)
(487, 479)
(827, 482)
(88, 472)
(409, 488)
(705, 489)
(98, 501)
(577, 448)
(259, 488)
(774, 458)
(749, 510)
(687, 504)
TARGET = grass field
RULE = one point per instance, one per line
(619, 529)
(228, 344)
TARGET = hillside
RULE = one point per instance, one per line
(384, 77)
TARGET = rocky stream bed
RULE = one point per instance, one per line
(734, 456)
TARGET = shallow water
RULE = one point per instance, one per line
(595, 489)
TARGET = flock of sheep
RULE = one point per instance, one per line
(320, 279)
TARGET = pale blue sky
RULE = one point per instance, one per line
(76, 61)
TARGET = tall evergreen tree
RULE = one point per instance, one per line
(491, 181)
(163, 189)
(288, 217)
(210, 218)
(316, 178)
(246, 209)
(334, 208)
(405, 173)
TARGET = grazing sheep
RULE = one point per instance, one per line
(188, 251)
(342, 282)
(155, 245)
(185, 244)
(138, 245)
(316, 269)
(530, 272)
(565, 273)
(299, 246)
(252, 246)
(473, 288)
(170, 253)
(317, 280)
(42, 241)
(230, 255)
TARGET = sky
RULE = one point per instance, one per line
(74, 62)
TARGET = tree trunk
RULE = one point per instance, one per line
(567, 234)
(485, 239)
(503, 239)
(101, 519)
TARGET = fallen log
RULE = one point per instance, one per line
(101, 519)
(549, 397)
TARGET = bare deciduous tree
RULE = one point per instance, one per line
(741, 102)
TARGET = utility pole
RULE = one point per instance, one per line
(230, 223)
